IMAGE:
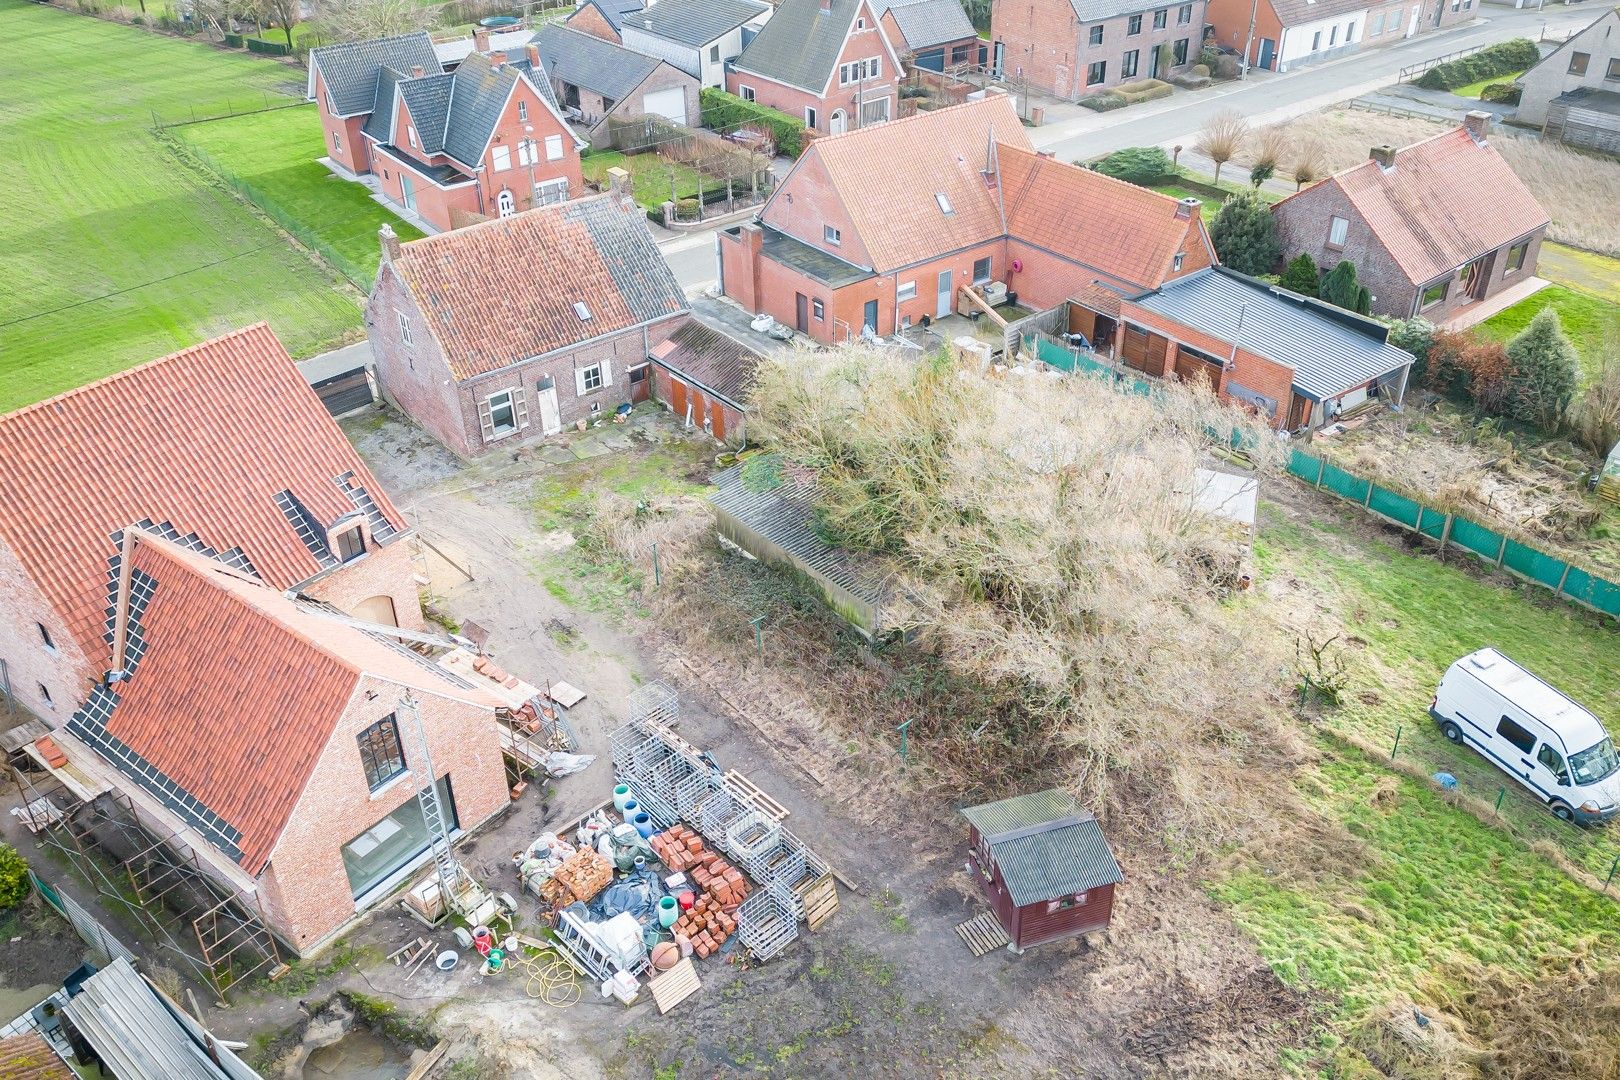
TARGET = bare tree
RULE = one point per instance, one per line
(362, 20)
(216, 16)
(284, 14)
(1270, 144)
(1596, 414)
(1310, 164)
(1222, 137)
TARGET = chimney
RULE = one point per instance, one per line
(619, 184)
(826, 6)
(533, 52)
(1384, 154)
(417, 71)
(1186, 208)
(481, 39)
(1477, 124)
(390, 242)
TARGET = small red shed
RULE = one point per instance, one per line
(1045, 866)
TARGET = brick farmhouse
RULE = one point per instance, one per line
(825, 62)
(1415, 250)
(484, 140)
(1069, 48)
(1289, 34)
(511, 330)
(849, 242)
(172, 612)
(600, 81)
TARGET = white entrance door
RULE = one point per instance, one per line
(835, 122)
(943, 307)
(1411, 27)
(670, 104)
(550, 418)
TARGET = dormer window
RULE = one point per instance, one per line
(944, 203)
(349, 544)
(582, 311)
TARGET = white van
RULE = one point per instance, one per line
(1529, 730)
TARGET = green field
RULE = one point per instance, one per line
(111, 251)
(274, 154)
(1587, 319)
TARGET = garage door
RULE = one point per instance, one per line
(670, 104)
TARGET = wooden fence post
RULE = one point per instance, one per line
(1501, 552)
(1321, 467)
(1445, 533)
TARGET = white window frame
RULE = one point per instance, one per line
(1338, 231)
(874, 105)
(500, 158)
(809, 116)
(989, 270)
(906, 290)
(554, 147)
(818, 309)
(405, 329)
(551, 192)
(745, 92)
(831, 234)
(410, 133)
(523, 112)
(505, 203)
(603, 371)
(497, 431)
(337, 141)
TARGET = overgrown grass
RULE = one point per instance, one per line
(112, 252)
(276, 154)
(1473, 89)
(1587, 319)
(649, 176)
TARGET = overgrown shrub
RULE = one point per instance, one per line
(1499, 59)
(1340, 288)
(1302, 275)
(13, 878)
(1416, 336)
(1138, 164)
(1501, 93)
(1245, 234)
(1103, 101)
(725, 112)
(1466, 366)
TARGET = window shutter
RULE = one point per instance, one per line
(520, 407)
(607, 373)
(485, 424)
(579, 382)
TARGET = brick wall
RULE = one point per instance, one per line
(344, 143)
(413, 378)
(1255, 372)
(1044, 42)
(386, 570)
(589, 20)
(64, 671)
(509, 132)
(864, 44)
(726, 424)
(305, 891)
(1304, 224)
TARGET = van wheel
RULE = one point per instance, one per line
(1562, 812)
(1452, 732)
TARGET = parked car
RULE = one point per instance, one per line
(1533, 732)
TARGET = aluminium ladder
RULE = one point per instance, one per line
(450, 872)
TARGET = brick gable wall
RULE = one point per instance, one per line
(62, 668)
(1304, 225)
(862, 44)
(509, 132)
(589, 20)
(807, 203)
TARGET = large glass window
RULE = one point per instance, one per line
(380, 752)
(393, 842)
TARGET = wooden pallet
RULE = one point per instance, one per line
(820, 902)
(675, 985)
(982, 933)
(740, 785)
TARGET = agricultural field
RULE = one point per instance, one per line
(112, 251)
(275, 154)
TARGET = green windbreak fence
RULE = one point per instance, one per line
(1570, 582)
(1050, 352)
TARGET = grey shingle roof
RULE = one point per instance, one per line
(478, 92)
(1045, 845)
(519, 62)
(712, 359)
(1330, 350)
(1292, 12)
(428, 99)
(350, 69)
(801, 43)
(695, 22)
(379, 125)
(614, 11)
(926, 23)
(591, 63)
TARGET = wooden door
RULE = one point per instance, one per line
(801, 313)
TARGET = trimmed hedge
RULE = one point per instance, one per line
(1142, 165)
(1501, 93)
(1104, 101)
(1520, 54)
(267, 48)
(234, 41)
(726, 112)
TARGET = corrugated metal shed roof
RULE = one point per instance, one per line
(695, 22)
(1330, 350)
(1045, 845)
(137, 1036)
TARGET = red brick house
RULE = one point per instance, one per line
(826, 62)
(1069, 48)
(163, 550)
(850, 241)
(931, 34)
(704, 375)
(1044, 866)
(603, 18)
(1419, 251)
(1289, 34)
(484, 140)
(511, 330)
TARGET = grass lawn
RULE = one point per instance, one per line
(1582, 270)
(1207, 191)
(1472, 90)
(1586, 318)
(275, 153)
(1211, 206)
(649, 176)
(112, 252)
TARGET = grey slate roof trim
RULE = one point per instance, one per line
(1039, 864)
(380, 124)
(614, 11)
(800, 45)
(478, 94)
(1330, 350)
(428, 99)
(590, 63)
(350, 69)
(926, 23)
(695, 22)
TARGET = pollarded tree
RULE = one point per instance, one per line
(1543, 373)
(1222, 137)
(1244, 234)
(1302, 275)
(1341, 289)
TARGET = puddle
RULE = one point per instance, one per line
(361, 1054)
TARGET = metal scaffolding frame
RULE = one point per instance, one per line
(674, 781)
(148, 873)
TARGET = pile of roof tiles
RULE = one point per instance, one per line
(712, 918)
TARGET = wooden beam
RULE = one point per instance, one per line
(983, 305)
(121, 603)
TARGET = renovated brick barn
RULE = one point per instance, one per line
(513, 329)
(703, 375)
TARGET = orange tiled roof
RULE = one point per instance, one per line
(888, 176)
(203, 440)
(234, 693)
(503, 291)
(1127, 232)
(1415, 212)
(29, 1057)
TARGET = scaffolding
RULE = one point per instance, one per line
(674, 781)
(147, 872)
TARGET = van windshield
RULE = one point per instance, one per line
(1594, 764)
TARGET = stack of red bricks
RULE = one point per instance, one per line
(710, 921)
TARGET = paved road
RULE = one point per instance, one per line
(1264, 98)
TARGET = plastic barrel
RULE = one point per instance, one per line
(644, 825)
(668, 912)
(621, 796)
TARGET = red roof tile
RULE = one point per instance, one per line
(240, 688)
(888, 178)
(502, 291)
(1415, 210)
(202, 439)
(29, 1057)
(1127, 232)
